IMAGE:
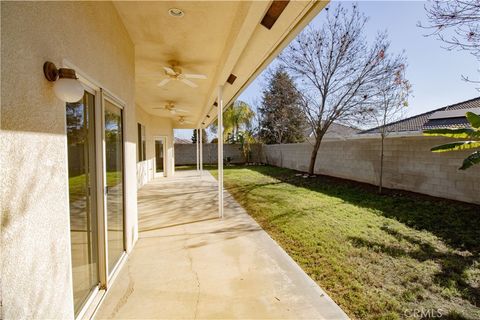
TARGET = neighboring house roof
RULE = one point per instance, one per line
(445, 117)
(182, 140)
(336, 130)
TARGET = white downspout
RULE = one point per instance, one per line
(220, 150)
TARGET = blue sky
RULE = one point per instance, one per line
(434, 72)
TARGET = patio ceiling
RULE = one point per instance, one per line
(215, 38)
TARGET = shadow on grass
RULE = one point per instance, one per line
(456, 223)
(453, 264)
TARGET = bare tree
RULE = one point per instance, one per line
(456, 23)
(389, 103)
(337, 69)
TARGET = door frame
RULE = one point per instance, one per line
(93, 198)
(164, 143)
(96, 196)
(105, 279)
(107, 96)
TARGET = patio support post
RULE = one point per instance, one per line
(220, 150)
(201, 150)
(196, 143)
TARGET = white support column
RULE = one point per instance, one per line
(220, 150)
(197, 144)
(201, 151)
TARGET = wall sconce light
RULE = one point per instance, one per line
(67, 87)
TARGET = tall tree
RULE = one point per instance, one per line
(338, 70)
(389, 103)
(457, 24)
(204, 136)
(281, 119)
(236, 117)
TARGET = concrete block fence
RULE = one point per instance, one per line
(408, 163)
(186, 154)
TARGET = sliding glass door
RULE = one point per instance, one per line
(114, 182)
(96, 192)
(83, 214)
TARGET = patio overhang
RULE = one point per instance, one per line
(226, 41)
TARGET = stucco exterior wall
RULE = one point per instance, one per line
(408, 165)
(154, 127)
(36, 263)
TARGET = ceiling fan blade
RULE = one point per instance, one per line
(180, 110)
(163, 82)
(158, 74)
(170, 71)
(195, 76)
(189, 83)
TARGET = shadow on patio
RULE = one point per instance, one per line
(188, 263)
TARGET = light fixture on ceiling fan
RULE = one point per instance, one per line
(182, 120)
(173, 72)
(170, 106)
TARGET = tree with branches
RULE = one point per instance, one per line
(280, 115)
(389, 103)
(457, 24)
(338, 70)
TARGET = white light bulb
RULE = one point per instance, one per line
(68, 90)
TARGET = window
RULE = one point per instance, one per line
(142, 156)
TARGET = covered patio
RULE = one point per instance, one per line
(111, 91)
(188, 263)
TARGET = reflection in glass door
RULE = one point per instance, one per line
(114, 183)
(83, 215)
(159, 155)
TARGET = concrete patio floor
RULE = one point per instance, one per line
(188, 264)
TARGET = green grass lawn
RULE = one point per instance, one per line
(76, 184)
(377, 256)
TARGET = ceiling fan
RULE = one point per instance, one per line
(182, 120)
(170, 106)
(173, 72)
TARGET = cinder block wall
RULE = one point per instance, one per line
(186, 154)
(408, 164)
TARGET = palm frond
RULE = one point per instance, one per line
(471, 160)
(453, 133)
(474, 119)
(455, 146)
